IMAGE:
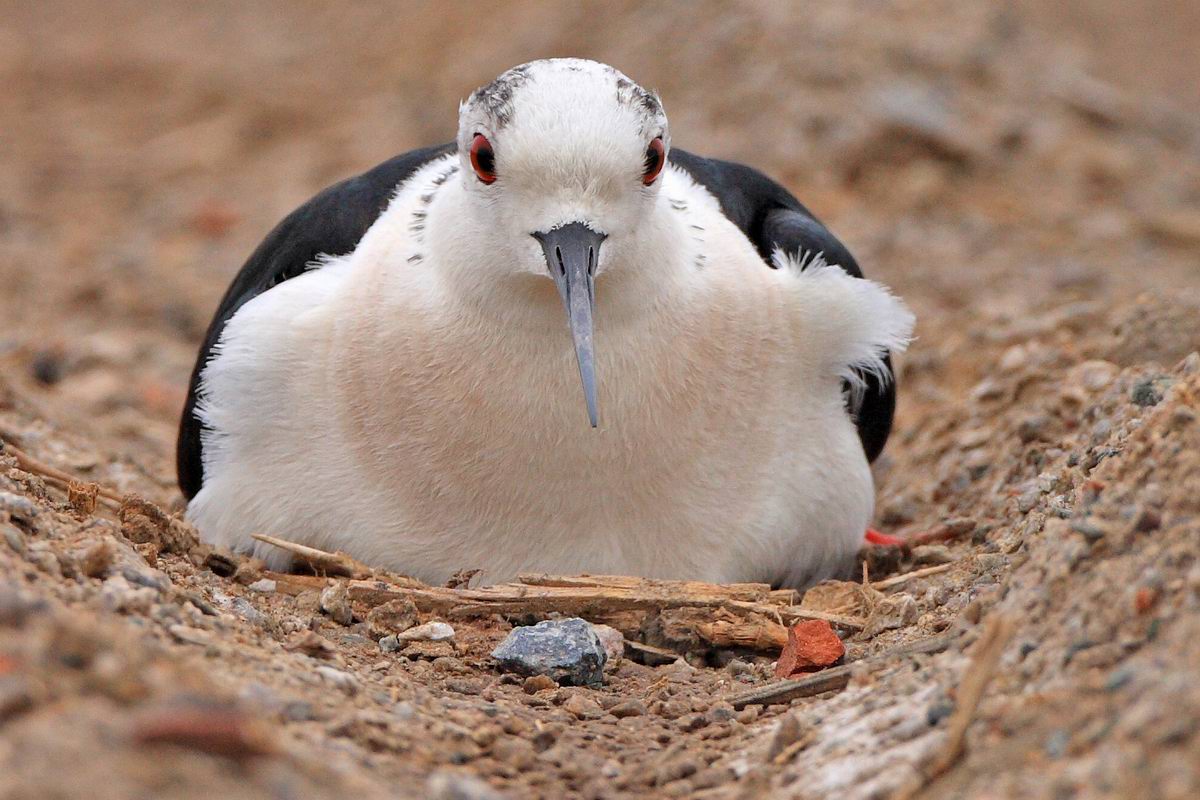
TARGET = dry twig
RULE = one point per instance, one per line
(975, 681)
(64, 480)
(319, 561)
(833, 679)
(896, 580)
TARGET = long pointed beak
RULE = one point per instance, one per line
(572, 252)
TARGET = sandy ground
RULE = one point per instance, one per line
(1028, 179)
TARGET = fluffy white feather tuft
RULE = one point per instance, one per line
(851, 323)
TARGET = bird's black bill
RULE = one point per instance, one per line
(572, 252)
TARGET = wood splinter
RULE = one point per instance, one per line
(319, 561)
(61, 479)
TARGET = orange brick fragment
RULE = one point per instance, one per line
(1145, 599)
(812, 645)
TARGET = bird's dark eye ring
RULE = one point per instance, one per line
(656, 156)
(483, 159)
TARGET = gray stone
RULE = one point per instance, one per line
(15, 538)
(144, 575)
(565, 650)
(895, 611)
(264, 586)
(1145, 394)
(447, 785)
(243, 608)
(20, 508)
(119, 595)
(339, 679)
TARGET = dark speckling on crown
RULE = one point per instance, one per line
(497, 96)
(629, 92)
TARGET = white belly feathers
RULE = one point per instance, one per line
(418, 435)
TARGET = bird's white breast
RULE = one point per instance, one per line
(362, 407)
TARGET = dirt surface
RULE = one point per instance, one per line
(1030, 185)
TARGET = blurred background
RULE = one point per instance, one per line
(992, 161)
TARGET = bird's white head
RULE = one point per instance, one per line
(561, 162)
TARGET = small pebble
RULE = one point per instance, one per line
(894, 611)
(335, 601)
(740, 669)
(581, 707)
(310, 643)
(14, 538)
(16, 696)
(394, 616)
(676, 770)
(672, 709)
(242, 607)
(446, 785)
(691, 722)
(938, 710)
(20, 508)
(1092, 533)
(339, 679)
(613, 641)
(545, 738)
(720, 712)
(263, 585)
(537, 683)
(1056, 744)
(119, 595)
(16, 607)
(440, 653)
(932, 554)
(515, 751)
(747, 715)
(1118, 679)
(1145, 394)
(190, 635)
(298, 711)
(628, 708)
(429, 632)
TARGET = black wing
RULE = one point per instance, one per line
(770, 217)
(331, 223)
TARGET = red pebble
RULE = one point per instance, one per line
(1145, 599)
(812, 645)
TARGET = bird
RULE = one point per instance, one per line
(556, 344)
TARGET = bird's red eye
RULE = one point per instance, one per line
(655, 158)
(483, 158)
